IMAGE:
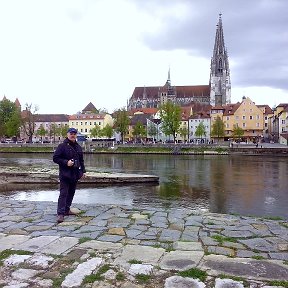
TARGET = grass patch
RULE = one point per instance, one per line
(257, 257)
(134, 261)
(92, 278)
(282, 283)
(194, 273)
(284, 224)
(142, 278)
(103, 269)
(120, 276)
(285, 262)
(8, 252)
(273, 218)
(84, 239)
(220, 239)
(29, 220)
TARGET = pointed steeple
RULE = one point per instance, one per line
(219, 71)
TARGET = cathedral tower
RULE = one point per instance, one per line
(220, 83)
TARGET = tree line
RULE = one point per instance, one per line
(12, 120)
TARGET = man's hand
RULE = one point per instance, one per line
(70, 163)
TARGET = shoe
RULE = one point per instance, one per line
(60, 218)
(70, 213)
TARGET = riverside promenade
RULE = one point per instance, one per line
(121, 246)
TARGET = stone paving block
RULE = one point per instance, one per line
(244, 267)
(131, 233)
(75, 278)
(178, 281)
(220, 250)
(60, 245)
(259, 244)
(12, 241)
(188, 246)
(237, 234)
(145, 269)
(145, 254)
(170, 235)
(41, 260)
(36, 244)
(279, 256)
(227, 283)
(111, 238)
(181, 260)
(101, 246)
(15, 260)
(25, 274)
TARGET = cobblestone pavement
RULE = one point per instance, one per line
(113, 246)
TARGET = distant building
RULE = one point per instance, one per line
(218, 92)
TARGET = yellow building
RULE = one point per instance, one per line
(85, 122)
(246, 115)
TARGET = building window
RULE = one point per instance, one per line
(257, 117)
(244, 125)
(81, 123)
(251, 117)
(228, 118)
(257, 124)
(237, 117)
(283, 121)
(243, 117)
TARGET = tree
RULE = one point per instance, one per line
(96, 132)
(139, 130)
(107, 131)
(200, 130)
(170, 115)
(183, 131)
(237, 132)
(121, 122)
(152, 130)
(9, 119)
(218, 128)
(41, 132)
(53, 131)
(28, 120)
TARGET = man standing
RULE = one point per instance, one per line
(69, 157)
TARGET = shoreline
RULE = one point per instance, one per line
(140, 247)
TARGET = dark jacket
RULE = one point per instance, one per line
(66, 151)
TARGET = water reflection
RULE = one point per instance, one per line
(246, 185)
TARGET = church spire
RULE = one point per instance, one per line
(220, 83)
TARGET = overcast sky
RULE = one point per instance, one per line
(62, 54)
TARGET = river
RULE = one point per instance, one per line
(246, 185)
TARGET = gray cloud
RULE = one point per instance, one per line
(255, 32)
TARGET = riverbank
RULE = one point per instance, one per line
(174, 149)
(121, 246)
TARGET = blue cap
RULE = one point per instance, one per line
(72, 130)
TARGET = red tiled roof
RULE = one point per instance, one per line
(89, 108)
(51, 118)
(143, 110)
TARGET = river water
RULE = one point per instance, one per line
(247, 185)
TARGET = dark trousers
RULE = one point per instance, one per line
(67, 191)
